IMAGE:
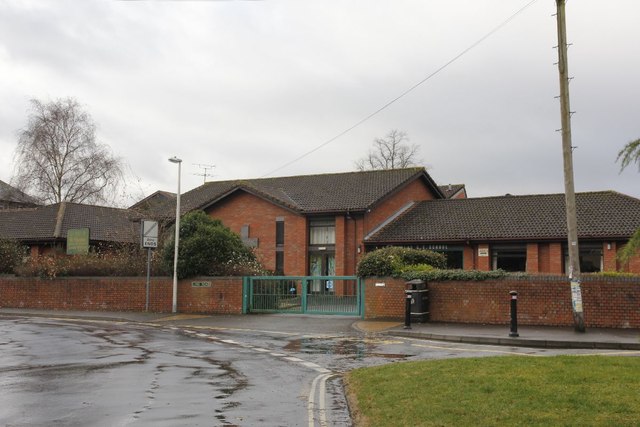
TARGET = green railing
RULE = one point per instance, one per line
(303, 294)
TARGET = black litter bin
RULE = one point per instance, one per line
(419, 300)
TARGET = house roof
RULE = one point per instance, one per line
(53, 221)
(309, 194)
(12, 194)
(153, 201)
(605, 214)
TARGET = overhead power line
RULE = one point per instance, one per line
(407, 91)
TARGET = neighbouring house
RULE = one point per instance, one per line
(518, 233)
(12, 198)
(323, 224)
(153, 201)
(454, 191)
(45, 229)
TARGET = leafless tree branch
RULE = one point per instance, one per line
(58, 159)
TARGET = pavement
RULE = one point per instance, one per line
(528, 336)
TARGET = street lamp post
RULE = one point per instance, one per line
(174, 304)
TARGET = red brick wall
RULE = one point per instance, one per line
(608, 302)
(121, 294)
(383, 298)
(533, 258)
(609, 255)
(243, 208)
(413, 191)
(483, 263)
(469, 257)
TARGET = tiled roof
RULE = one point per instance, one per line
(12, 194)
(151, 202)
(338, 192)
(38, 224)
(606, 214)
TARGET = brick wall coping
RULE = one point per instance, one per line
(587, 278)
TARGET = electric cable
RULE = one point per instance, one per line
(407, 91)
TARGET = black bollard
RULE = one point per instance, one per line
(407, 310)
(514, 314)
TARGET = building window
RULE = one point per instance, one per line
(279, 233)
(322, 232)
(454, 254)
(591, 260)
(279, 270)
(279, 263)
(509, 257)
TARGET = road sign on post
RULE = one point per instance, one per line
(149, 234)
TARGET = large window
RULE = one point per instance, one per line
(322, 232)
(509, 257)
(590, 257)
(453, 253)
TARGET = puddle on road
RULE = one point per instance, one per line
(350, 347)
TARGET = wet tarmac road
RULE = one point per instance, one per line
(58, 372)
(66, 374)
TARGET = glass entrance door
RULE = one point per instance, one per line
(322, 264)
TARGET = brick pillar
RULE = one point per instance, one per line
(533, 263)
(483, 260)
(468, 258)
(609, 252)
(556, 260)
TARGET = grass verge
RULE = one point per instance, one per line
(513, 390)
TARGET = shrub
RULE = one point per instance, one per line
(208, 248)
(116, 262)
(12, 254)
(393, 261)
(612, 274)
(437, 275)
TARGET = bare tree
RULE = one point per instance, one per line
(391, 152)
(58, 159)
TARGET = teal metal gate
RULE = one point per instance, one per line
(303, 294)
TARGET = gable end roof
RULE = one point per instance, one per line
(310, 194)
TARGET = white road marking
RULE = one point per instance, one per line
(321, 406)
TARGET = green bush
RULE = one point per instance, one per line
(209, 248)
(612, 274)
(437, 275)
(394, 261)
(117, 262)
(12, 253)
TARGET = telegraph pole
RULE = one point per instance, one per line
(567, 152)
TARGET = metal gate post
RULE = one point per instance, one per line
(303, 300)
(245, 294)
(360, 296)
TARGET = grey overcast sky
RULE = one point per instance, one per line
(251, 85)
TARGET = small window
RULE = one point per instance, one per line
(509, 257)
(279, 233)
(279, 263)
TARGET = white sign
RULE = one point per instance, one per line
(576, 296)
(483, 252)
(149, 234)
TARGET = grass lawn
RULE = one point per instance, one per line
(513, 390)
